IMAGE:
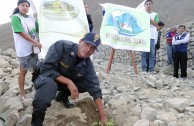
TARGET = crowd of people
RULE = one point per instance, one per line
(67, 69)
(177, 40)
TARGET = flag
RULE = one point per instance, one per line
(141, 6)
(125, 28)
(61, 20)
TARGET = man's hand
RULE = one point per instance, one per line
(70, 85)
(103, 119)
(102, 116)
(74, 91)
(154, 23)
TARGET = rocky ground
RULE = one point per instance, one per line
(155, 99)
(146, 99)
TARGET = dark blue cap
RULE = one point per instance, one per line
(92, 38)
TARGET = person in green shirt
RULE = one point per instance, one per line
(150, 56)
(24, 31)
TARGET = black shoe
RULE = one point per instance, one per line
(176, 76)
(37, 119)
(64, 98)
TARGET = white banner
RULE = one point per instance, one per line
(125, 28)
(141, 6)
(61, 20)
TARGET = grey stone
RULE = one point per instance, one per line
(148, 113)
(178, 103)
(142, 123)
(25, 120)
(166, 117)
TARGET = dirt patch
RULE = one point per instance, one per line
(88, 106)
(84, 114)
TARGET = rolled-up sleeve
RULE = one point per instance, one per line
(51, 61)
(92, 82)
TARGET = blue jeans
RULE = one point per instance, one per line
(169, 53)
(148, 57)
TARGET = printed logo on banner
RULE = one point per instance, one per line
(124, 22)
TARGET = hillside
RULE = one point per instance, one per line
(172, 12)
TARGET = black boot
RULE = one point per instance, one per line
(37, 119)
(61, 97)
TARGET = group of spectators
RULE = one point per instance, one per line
(177, 44)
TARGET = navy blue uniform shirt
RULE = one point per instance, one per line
(62, 59)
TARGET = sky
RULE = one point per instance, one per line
(7, 7)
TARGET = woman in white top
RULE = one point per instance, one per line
(24, 31)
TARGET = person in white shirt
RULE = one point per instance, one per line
(153, 29)
(24, 31)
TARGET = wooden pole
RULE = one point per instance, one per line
(133, 62)
(110, 60)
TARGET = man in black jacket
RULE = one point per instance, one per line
(89, 18)
(67, 68)
(157, 46)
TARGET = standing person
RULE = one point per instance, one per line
(150, 56)
(103, 11)
(67, 68)
(158, 34)
(24, 28)
(180, 44)
(169, 37)
(89, 18)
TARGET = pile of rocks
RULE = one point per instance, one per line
(154, 99)
(12, 109)
(148, 99)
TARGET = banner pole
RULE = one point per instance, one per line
(110, 60)
(133, 62)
